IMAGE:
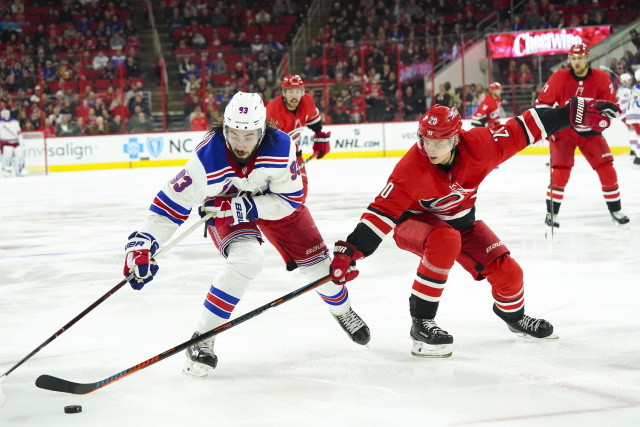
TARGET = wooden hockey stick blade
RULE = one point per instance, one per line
(49, 382)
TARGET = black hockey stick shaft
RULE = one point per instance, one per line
(49, 382)
(104, 297)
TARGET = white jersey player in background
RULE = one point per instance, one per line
(624, 95)
(12, 152)
(631, 116)
(245, 172)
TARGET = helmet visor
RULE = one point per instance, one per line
(436, 147)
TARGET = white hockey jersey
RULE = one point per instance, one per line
(271, 179)
(9, 131)
(632, 115)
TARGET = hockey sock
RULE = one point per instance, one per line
(506, 279)
(337, 296)
(422, 309)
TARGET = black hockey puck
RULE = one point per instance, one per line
(72, 409)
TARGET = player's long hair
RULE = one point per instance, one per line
(218, 126)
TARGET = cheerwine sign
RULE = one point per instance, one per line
(544, 42)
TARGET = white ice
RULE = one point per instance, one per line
(61, 246)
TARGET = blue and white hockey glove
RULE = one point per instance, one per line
(231, 210)
(139, 250)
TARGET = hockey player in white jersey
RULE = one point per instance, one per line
(245, 172)
(13, 154)
(631, 116)
(624, 95)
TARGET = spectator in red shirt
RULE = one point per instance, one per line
(198, 120)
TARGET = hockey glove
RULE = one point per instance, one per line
(321, 144)
(139, 251)
(231, 210)
(593, 113)
(343, 267)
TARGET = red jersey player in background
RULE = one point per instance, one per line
(292, 112)
(429, 204)
(583, 81)
(488, 111)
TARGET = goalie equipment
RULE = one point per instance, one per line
(429, 340)
(531, 327)
(354, 326)
(201, 359)
(495, 86)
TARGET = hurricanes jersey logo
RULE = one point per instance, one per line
(449, 202)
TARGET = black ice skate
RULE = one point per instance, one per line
(201, 359)
(354, 326)
(429, 340)
(620, 219)
(551, 222)
(552, 226)
(532, 327)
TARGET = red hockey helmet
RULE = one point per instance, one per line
(579, 49)
(292, 81)
(495, 86)
(439, 123)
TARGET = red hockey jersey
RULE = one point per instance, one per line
(293, 122)
(564, 84)
(488, 112)
(416, 185)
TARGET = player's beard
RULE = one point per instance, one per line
(293, 104)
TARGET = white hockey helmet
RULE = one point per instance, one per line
(245, 111)
(625, 78)
(637, 75)
(5, 114)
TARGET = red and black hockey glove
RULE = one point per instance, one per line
(321, 144)
(593, 113)
(343, 267)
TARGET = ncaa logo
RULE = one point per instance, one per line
(432, 120)
(154, 145)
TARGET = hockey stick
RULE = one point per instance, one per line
(49, 382)
(608, 70)
(311, 157)
(99, 301)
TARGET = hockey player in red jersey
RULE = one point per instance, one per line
(583, 81)
(292, 112)
(488, 111)
(429, 204)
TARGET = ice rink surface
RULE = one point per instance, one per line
(61, 248)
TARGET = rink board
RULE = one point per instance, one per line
(174, 148)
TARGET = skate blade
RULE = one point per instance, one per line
(621, 226)
(551, 235)
(421, 349)
(195, 369)
(553, 335)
